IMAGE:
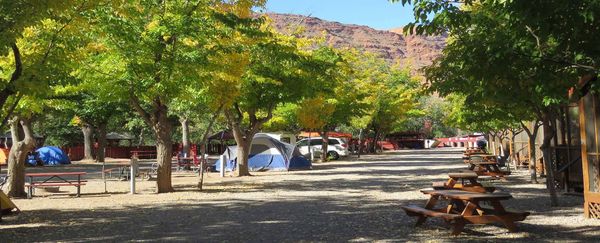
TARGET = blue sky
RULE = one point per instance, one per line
(378, 14)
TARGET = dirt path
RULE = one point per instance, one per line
(336, 201)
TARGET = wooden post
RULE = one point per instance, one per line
(584, 157)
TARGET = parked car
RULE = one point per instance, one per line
(338, 147)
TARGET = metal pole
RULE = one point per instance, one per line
(222, 166)
(104, 175)
(133, 168)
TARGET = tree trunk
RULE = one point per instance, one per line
(532, 160)
(18, 155)
(141, 137)
(511, 149)
(493, 143)
(310, 148)
(185, 135)
(244, 135)
(532, 134)
(324, 146)
(101, 132)
(374, 144)
(88, 132)
(203, 145)
(164, 150)
(549, 133)
(360, 141)
(243, 152)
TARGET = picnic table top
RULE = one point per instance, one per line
(55, 174)
(483, 162)
(466, 195)
(483, 155)
(473, 152)
(462, 175)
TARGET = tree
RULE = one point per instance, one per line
(19, 19)
(157, 52)
(431, 117)
(382, 95)
(395, 97)
(279, 71)
(23, 142)
(93, 113)
(315, 114)
(343, 100)
(38, 62)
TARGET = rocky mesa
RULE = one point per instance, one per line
(413, 50)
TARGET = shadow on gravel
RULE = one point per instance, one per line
(356, 216)
(297, 219)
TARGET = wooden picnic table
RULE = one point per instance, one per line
(473, 151)
(466, 181)
(185, 163)
(463, 207)
(479, 155)
(54, 179)
(487, 168)
(487, 157)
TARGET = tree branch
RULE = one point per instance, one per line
(10, 111)
(135, 102)
(238, 111)
(18, 65)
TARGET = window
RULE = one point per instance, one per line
(333, 141)
(303, 143)
(314, 142)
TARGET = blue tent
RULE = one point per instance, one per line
(267, 153)
(51, 155)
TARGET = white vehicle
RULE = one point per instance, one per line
(337, 147)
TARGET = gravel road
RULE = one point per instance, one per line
(354, 200)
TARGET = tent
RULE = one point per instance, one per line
(267, 153)
(6, 205)
(51, 155)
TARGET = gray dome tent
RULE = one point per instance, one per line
(267, 153)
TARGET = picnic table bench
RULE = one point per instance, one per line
(50, 179)
(464, 207)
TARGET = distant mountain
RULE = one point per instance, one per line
(416, 51)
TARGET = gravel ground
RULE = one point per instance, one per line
(354, 200)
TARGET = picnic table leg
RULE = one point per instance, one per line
(78, 185)
(430, 203)
(469, 208)
(458, 224)
(450, 183)
(472, 166)
(30, 189)
(457, 227)
(504, 219)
